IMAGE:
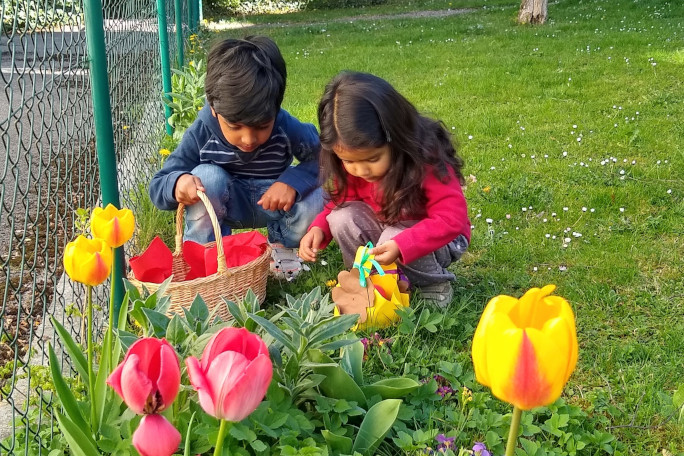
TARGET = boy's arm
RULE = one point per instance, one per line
(182, 161)
(306, 147)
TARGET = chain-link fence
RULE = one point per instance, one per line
(51, 169)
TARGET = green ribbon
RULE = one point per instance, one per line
(364, 271)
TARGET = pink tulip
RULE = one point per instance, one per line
(233, 375)
(148, 378)
(155, 436)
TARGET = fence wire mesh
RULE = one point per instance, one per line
(50, 169)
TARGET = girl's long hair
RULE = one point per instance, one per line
(359, 111)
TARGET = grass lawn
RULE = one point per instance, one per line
(572, 132)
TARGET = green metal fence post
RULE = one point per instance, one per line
(104, 131)
(178, 7)
(200, 16)
(191, 15)
(165, 64)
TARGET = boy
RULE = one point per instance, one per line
(239, 152)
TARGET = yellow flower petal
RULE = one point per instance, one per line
(114, 226)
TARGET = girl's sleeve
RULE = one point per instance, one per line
(446, 219)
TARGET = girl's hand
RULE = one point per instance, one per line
(308, 246)
(279, 196)
(186, 189)
(386, 253)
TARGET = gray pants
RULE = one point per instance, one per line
(355, 224)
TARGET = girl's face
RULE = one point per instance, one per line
(369, 164)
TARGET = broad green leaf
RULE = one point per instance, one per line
(375, 425)
(391, 388)
(199, 309)
(99, 396)
(73, 350)
(352, 361)
(338, 444)
(337, 384)
(333, 327)
(236, 312)
(158, 320)
(176, 333)
(80, 443)
(335, 345)
(274, 331)
(63, 392)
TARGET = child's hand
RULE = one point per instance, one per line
(308, 246)
(386, 253)
(186, 189)
(279, 196)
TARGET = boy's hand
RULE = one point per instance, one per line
(386, 253)
(186, 189)
(308, 246)
(279, 196)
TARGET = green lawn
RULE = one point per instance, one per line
(573, 131)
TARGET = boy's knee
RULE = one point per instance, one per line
(213, 177)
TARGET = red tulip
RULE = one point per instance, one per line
(155, 436)
(233, 375)
(148, 378)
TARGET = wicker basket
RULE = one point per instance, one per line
(229, 283)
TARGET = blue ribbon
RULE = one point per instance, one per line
(364, 271)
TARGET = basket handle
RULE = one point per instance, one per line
(220, 254)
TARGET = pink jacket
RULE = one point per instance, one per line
(446, 215)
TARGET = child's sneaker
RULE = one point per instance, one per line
(285, 264)
(439, 293)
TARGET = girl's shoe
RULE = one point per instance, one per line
(440, 294)
(285, 264)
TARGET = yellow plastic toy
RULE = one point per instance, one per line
(374, 296)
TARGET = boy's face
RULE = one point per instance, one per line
(244, 137)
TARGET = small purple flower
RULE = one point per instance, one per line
(444, 442)
(480, 449)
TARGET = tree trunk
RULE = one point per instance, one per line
(532, 12)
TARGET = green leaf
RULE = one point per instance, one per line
(73, 350)
(337, 384)
(176, 333)
(236, 312)
(274, 331)
(335, 345)
(80, 443)
(199, 309)
(338, 444)
(391, 388)
(352, 361)
(66, 397)
(188, 441)
(375, 425)
(678, 396)
(158, 320)
(99, 396)
(331, 328)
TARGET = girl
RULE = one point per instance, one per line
(396, 182)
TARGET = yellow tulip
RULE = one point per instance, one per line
(88, 261)
(114, 226)
(526, 349)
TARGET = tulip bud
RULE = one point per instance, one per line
(114, 226)
(525, 350)
(155, 436)
(148, 379)
(87, 261)
(233, 375)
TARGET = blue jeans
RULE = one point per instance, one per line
(235, 202)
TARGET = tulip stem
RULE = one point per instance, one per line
(223, 430)
(513, 432)
(89, 348)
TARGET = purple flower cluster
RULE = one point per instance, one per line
(375, 340)
(480, 449)
(443, 385)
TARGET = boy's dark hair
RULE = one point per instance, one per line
(358, 111)
(245, 80)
